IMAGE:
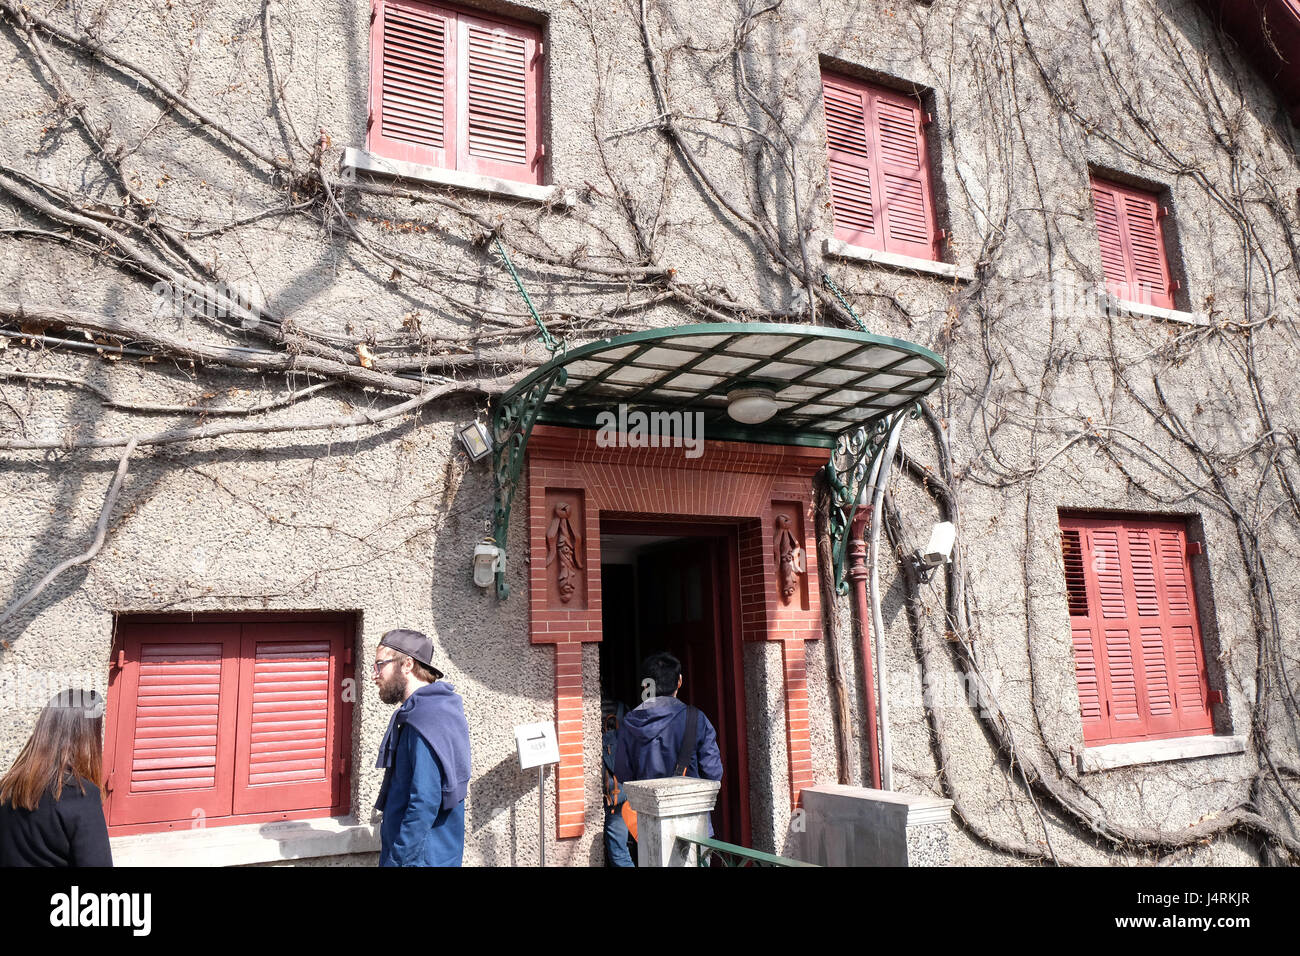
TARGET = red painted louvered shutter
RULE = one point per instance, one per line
(499, 125)
(1149, 282)
(853, 174)
(172, 724)
(1123, 685)
(1084, 632)
(1157, 689)
(413, 83)
(1183, 631)
(1132, 244)
(906, 200)
(289, 748)
(1114, 262)
(1135, 632)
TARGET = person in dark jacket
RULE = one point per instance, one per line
(51, 809)
(650, 737)
(425, 756)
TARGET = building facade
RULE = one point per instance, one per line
(263, 263)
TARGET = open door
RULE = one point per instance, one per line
(685, 587)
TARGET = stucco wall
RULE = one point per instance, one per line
(382, 520)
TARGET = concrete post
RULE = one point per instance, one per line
(667, 808)
(856, 826)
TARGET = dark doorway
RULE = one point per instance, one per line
(670, 586)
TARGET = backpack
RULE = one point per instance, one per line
(689, 741)
(612, 717)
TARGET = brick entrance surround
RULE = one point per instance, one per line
(749, 485)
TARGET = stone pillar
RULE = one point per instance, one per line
(856, 826)
(667, 808)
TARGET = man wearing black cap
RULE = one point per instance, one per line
(425, 756)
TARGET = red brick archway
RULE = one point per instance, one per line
(753, 484)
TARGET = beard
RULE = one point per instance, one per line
(390, 689)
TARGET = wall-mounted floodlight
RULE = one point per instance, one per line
(475, 438)
(488, 560)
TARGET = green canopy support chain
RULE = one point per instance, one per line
(546, 338)
(843, 301)
(511, 426)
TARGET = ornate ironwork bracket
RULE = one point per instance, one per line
(852, 461)
(511, 426)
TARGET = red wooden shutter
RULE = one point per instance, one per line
(1145, 608)
(1149, 282)
(905, 175)
(1132, 244)
(413, 83)
(289, 747)
(1114, 261)
(1084, 632)
(851, 160)
(879, 169)
(1136, 637)
(172, 730)
(499, 124)
(1183, 631)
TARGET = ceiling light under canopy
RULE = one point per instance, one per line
(751, 404)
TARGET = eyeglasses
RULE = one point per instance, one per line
(380, 665)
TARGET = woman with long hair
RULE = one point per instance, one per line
(51, 809)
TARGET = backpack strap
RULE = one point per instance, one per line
(689, 740)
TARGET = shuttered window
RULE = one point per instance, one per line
(454, 89)
(212, 723)
(1137, 640)
(1132, 244)
(879, 170)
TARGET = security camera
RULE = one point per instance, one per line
(939, 549)
(937, 552)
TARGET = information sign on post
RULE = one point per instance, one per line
(538, 748)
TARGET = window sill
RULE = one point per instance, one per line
(842, 250)
(246, 843)
(360, 161)
(1111, 756)
(1116, 307)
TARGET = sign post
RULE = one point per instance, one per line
(538, 747)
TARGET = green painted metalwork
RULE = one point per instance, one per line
(709, 851)
(851, 463)
(546, 338)
(837, 389)
(826, 278)
(862, 377)
(511, 426)
(853, 459)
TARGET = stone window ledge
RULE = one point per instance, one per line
(842, 250)
(1156, 751)
(360, 161)
(1116, 307)
(246, 843)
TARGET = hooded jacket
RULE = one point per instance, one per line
(650, 738)
(426, 756)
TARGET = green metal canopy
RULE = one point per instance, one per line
(826, 380)
(828, 384)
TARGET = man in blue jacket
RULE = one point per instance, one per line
(425, 756)
(651, 738)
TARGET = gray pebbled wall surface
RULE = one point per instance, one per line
(695, 147)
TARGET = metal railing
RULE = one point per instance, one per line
(716, 853)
